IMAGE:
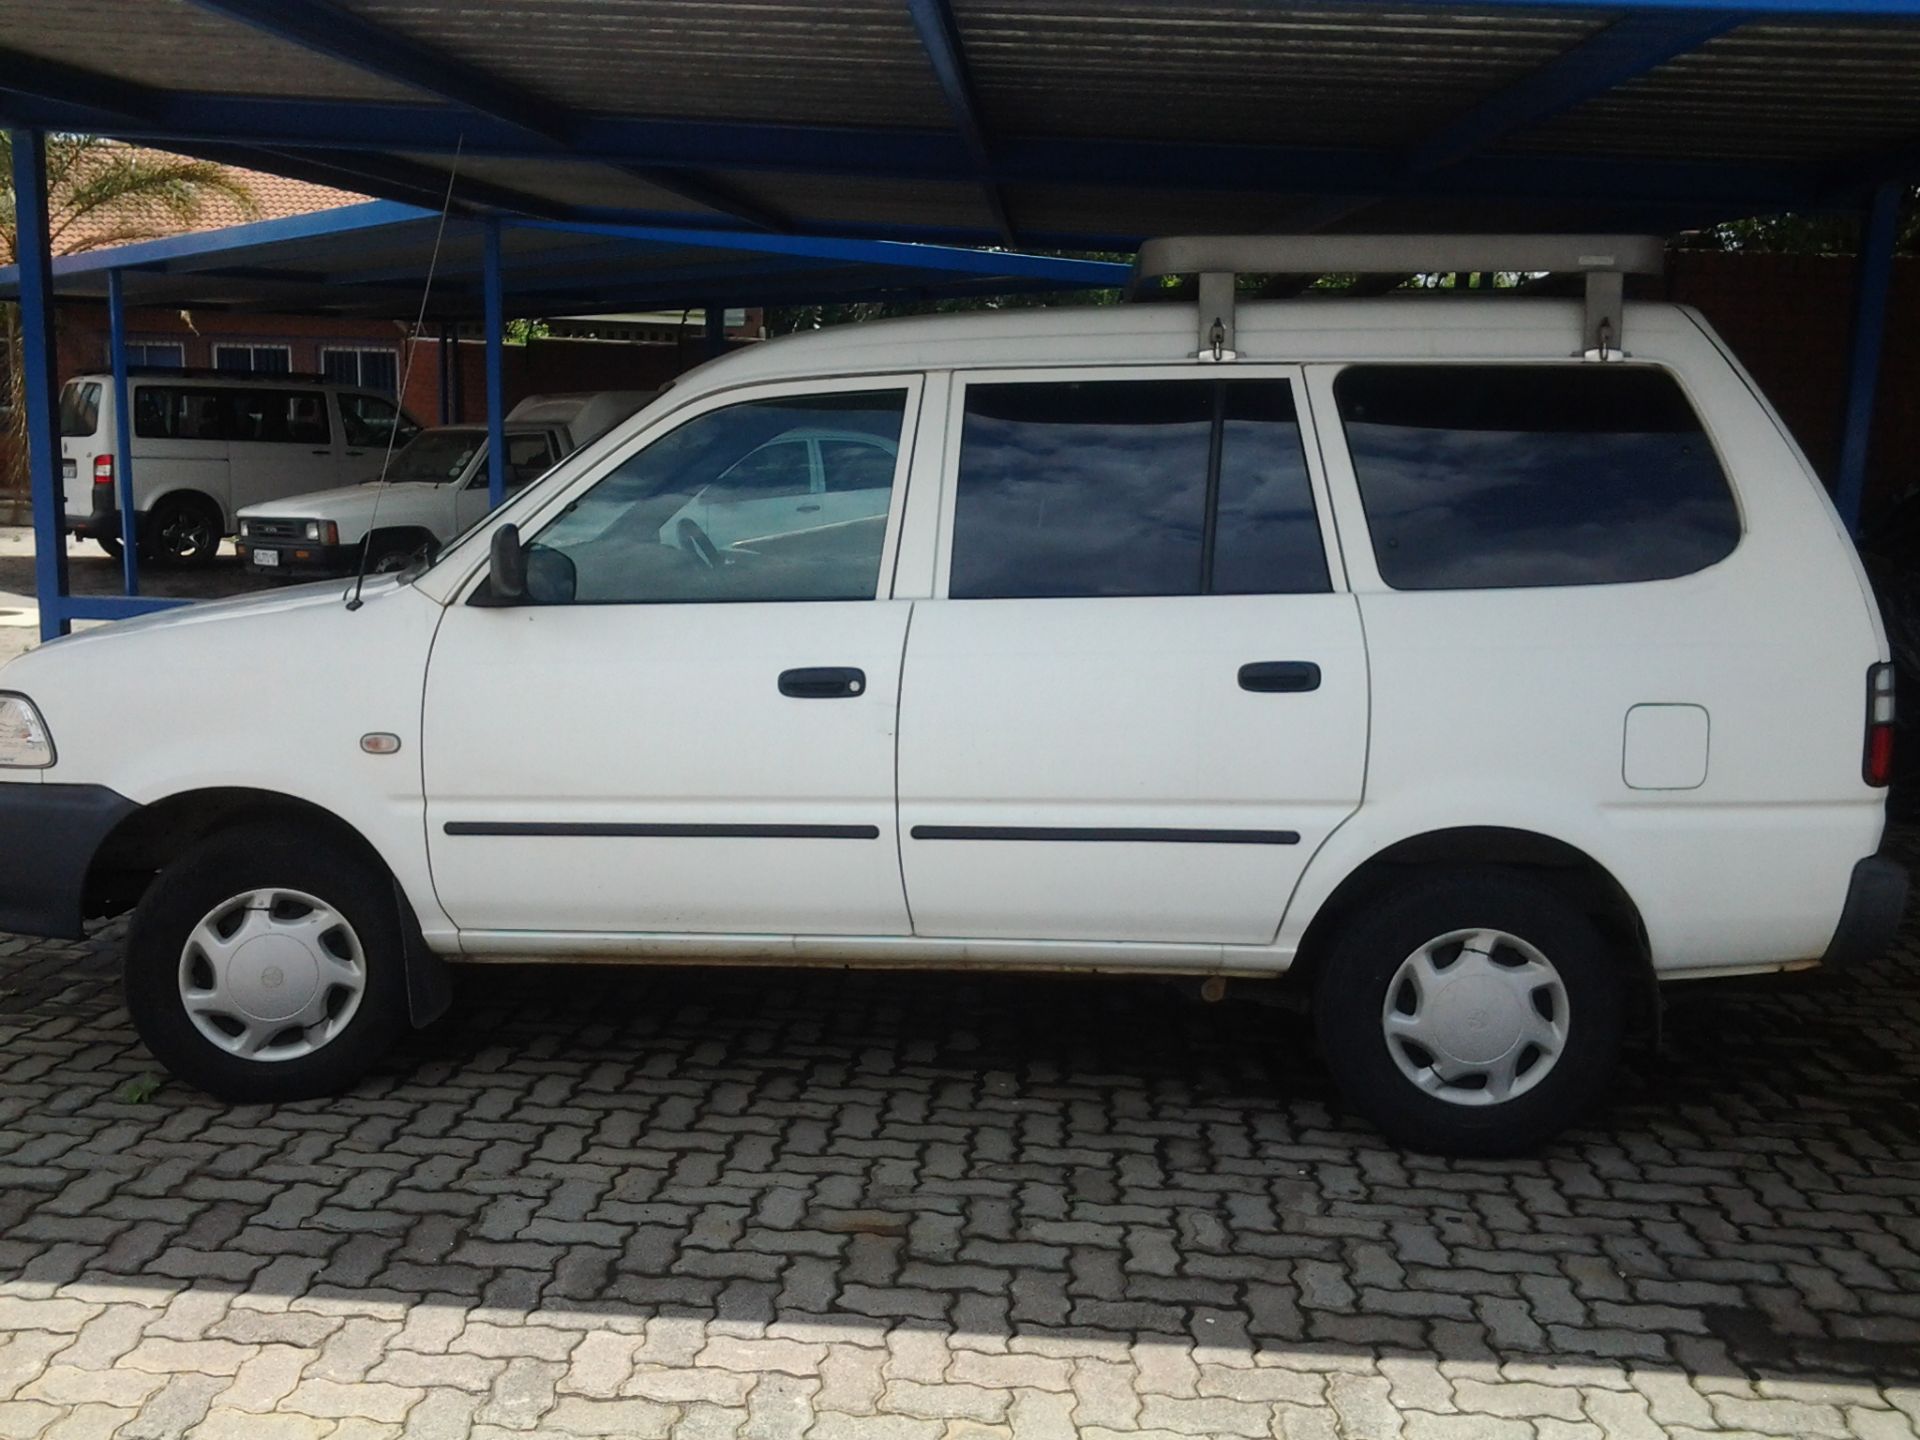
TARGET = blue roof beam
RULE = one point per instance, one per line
(940, 37)
(325, 28)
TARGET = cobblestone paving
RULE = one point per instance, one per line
(767, 1205)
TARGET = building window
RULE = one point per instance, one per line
(155, 354)
(253, 359)
(368, 368)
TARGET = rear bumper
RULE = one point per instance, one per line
(102, 524)
(49, 835)
(1876, 904)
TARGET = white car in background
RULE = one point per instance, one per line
(436, 486)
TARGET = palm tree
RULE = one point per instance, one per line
(100, 193)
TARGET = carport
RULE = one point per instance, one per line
(394, 260)
(789, 130)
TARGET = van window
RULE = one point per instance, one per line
(722, 509)
(287, 417)
(1494, 476)
(79, 407)
(1117, 487)
(177, 412)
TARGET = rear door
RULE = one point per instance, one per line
(1141, 704)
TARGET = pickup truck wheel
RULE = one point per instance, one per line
(111, 545)
(266, 964)
(392, 553)
(1471, 1013)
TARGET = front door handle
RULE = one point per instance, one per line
(809, 510)
(323, 452)
(1280, 677)
(823, 682)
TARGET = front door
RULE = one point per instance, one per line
(1142, 703)
(689, 732)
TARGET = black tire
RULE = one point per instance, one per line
(228, 864)
(111, 545)
(183, 529)
(1351, 996)
(389, 553)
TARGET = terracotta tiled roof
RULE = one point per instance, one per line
(274, 197)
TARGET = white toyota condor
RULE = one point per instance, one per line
(1474, 677)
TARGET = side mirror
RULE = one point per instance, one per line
(507, 574)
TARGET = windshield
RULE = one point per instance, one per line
(80, 407)
(434, 457)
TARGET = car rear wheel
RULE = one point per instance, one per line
(183, 530)
(111, 545)
(266, 964)
(391, 553)
(1472, 1012)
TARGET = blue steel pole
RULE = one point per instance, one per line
(495, 307)
(122, 430)
(38, 367)
(1878, 235)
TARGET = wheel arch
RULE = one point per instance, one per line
(1582, 880)
(154, 835)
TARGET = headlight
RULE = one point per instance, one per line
(24, 741)
(323, 531)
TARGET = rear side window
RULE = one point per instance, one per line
(1495, 476)
(79, 407)
(1133, 487)
(285, 417)
(177, 412)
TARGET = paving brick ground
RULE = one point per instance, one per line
(767, 1205)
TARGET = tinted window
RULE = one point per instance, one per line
(1094, 488)
(1267, 540)
(288, 417)
(722, 509)
(177, 412)
(368, 421)
(1486, 476)
(1101, 488)
(79, 407)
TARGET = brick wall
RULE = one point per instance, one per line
(1789, 318)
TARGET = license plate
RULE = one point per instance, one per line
(269, 558)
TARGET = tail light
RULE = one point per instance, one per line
(1877, 766)
(103, 469)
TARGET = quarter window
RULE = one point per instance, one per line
(1133, 487)
(1496, 476)
(177, 412)
(725, 508)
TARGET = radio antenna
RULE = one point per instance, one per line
(406, 374)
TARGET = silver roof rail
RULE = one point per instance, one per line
(1216, 259)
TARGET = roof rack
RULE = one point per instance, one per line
(1216, 259)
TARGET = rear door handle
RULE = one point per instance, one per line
(809, 509)
(1280, 677)
(823, 682)
(323, 452)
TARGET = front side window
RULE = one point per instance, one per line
(369, 420)
(1495, 476)
(724, 508)
(1133, 487)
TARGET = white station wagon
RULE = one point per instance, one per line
(1474, 677)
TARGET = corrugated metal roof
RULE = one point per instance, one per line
(1038, 121)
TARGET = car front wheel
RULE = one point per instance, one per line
(266, 964)
(1471, 1012)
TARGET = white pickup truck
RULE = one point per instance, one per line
(435, 488)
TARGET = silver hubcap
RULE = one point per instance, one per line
(272, 974)
(1476, 1017)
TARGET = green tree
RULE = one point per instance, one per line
(101, 193)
